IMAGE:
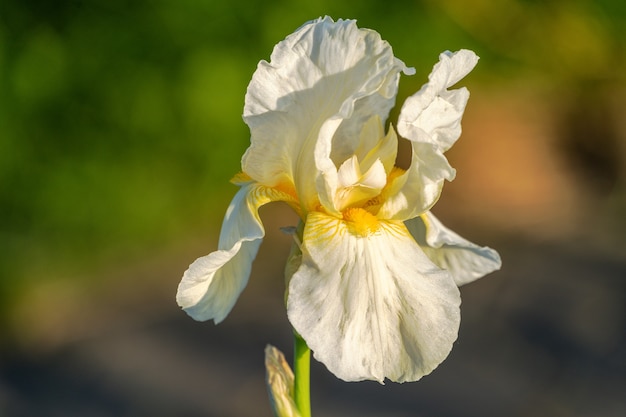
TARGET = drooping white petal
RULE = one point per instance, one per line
(431, 120)
(465, 260)
(316, 79)
(371, 306)
(212, 284)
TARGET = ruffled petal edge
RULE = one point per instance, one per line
(371, 307)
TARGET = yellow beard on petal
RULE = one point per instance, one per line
(287, 188)
(241, 178)
(283, 191)
(360, 221)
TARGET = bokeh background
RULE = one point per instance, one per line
(120, 126)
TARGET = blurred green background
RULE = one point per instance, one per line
(120, 123)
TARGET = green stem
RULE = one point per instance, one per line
(301, 370)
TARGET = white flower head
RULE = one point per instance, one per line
(373, 284)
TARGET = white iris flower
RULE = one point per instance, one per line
(372, 282)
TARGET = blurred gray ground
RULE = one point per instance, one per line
(543, 337)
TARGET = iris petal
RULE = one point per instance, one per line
(212, 284)
(433, 114)
(431, 120)
(465, 260)
(324, 81)
(374, 145)
(371, 307)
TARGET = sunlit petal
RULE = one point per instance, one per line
(419, 188)
(371, 306)
(374, 145)
(349, 172)
(319, 77)
(431, 120)
(213, 283)
(356, 187)
(433, 114)
(465, 260)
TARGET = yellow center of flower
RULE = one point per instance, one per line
(360, 221)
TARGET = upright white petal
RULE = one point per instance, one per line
(371, 305)
(375, 155)
(431, 120)
(319, 77)
(356, 187)
(433, 114)
(419, 188)
(374, 145)
(212, 284)
(377, 104)
(465, 260)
